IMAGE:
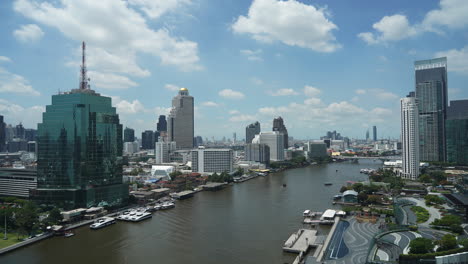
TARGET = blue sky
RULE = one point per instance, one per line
(321, 65)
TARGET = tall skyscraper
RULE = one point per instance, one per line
(367, 135)
(457, 132)
(274, 140)
(374, 129)
(250, 132)
(147, 139)
(410, 137)
(129, 135)
(2, 134)
(431, 94)
(180, 123)
(257, 152)
(278, 125)
(162, 124)
(80, 150)
(19, 131)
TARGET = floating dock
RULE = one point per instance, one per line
(300, 241)
(183, 195)
(213, 186)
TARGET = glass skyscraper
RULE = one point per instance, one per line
(250, 132)
(457, 132)
(431, 93)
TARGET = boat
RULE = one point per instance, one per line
(140, 216)
(328, 183)
(167, 205)
(69, 234)
(150, 209)
(337, 197)
(157, 207)
(102, 222)
(284, 184)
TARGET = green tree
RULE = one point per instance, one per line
(362, 197)
(421, 245)
(447, 242)
(358, 187)
(433, 199)
(55, 217)
(343, 189)
(464, 242)
(27, 217)
(425, 178)
(448, 220)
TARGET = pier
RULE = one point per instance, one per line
(300, 241)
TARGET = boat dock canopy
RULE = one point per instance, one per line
(329, 214)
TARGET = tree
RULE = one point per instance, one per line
(425, 178)
(433, 199)
(421, 245)
(55, 217)
(358, 187)
(343, 189)
(362, 197)
(447, 242)
(27, 217)
(448, 220)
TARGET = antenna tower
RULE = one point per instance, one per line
(83, 79)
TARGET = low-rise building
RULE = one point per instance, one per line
(350, 196)
(17, 182)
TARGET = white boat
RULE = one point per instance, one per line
(140, 216)
(157, 207)
(167, 205)
(102, 222)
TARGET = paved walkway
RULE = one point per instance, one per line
(434, 213)
(24, 243)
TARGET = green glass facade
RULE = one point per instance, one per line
(80, 152)
(457, 141)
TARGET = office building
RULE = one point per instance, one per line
(374, 135)
(180, 123)
(131, 147)
(410, 138)
(250, 132)
(15, 182)
(431, 94)
(212, 160)
(2, 134)
(274, 140)
(19, 131)
(17, 144)
(257, 152)
(80, 150)
(367, 135)
(457, 132)
(198, 141)
(129, 135)
(147, 139)
(30, 134)
(316, 150)
(162, 124)
(163, 151)
(278, 125)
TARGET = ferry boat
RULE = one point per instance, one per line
(167, 205)
(140, 216)
(102, 222)
(328, 183)
(158, 207)
(69, 234)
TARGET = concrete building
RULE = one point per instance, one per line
(250, 132)
(212, 160)
(2, 134)
(130, 147)
(457, 132)
(162, 124)
(374, 135)
(180, 123)
(278, 125)
(257, 152)
(274, 140)
(431, 93)
(163, 151)
(316, 150)
(17, 182)
(410, 138)
(129, 135)
(147, 139)
(350, 196)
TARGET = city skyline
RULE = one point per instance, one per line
(289, 73)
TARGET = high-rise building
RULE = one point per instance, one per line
(274, 140)
(2, 134)
(163, 151)
(316, 150)
(431, 94)
(198, 141)
(30, 134)
(367, 135)
(250, 132)
(212, 160)
(130, 147)
(80, 150)
(147, 139)
(162, 124)
(374, 129)
(180, 123)
(257, 152)
(457, 132)
(129, 135)
(410, 137)
(278, 125)
(19, 131)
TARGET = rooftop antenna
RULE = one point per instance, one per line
(83, 79)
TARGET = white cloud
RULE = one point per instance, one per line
(256, 81)
(28, 33)
(389, 28)
(452, 14)
(383, 95)
(283, 92)
(361, 91)
(110, 81)
(158, 110)
(125, 107)
(458, 59)
(252, 55)
(4, 59)
(231, 94)
(154, 9)
(242, 118)
(312, 101)
(210, 104)
(290, 22)
(234, 112)
(172, 87)
(14, 83)
(381, 111)
(311, 91)
(95, 22)
(14, 113)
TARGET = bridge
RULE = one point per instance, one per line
(381, 158)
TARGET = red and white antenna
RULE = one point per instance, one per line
(83, 79)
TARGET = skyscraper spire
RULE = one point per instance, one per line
(83, 79)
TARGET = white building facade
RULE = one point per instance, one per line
(163, 150)
(274, 140)
(212, 160)
(130, 147)
(410, 138)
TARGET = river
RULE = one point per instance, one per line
(244, 223)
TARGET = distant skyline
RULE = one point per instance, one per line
(322, 66)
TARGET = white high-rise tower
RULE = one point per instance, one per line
(410, 137)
